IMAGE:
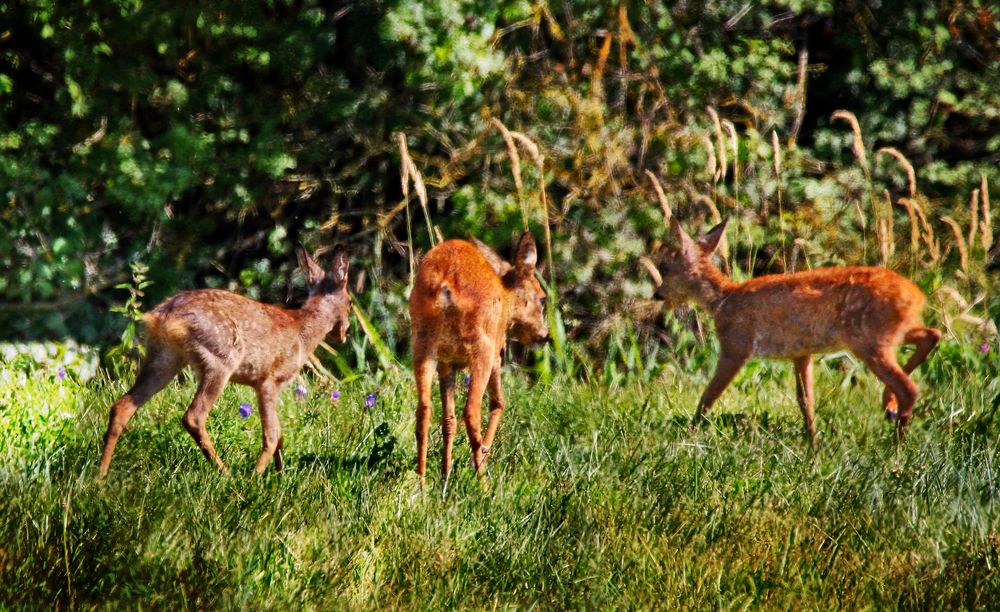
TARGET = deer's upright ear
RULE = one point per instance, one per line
(314, 273)
(527, 253)
(496, 262)
(338, 269)
(682, 241)
(710, 241)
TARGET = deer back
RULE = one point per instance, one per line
(464, 293)
(216, 328)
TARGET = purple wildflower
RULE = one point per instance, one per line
(300, 391)
(468, 381)
(246, 410)
(335, 395)
(370, 400)
(61, 373)
(984, 348)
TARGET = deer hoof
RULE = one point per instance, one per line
(891, 415)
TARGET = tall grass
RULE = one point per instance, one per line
(596, 496)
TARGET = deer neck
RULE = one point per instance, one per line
(713, 288)
(506, 308)
(316, 318)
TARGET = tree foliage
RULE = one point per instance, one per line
(204, 141)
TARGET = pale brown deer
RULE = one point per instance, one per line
(465, 301)
(866, 310)
(226, 337)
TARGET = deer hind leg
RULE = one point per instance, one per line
(160, 367)
(270, 427)
(925, 339)
(423, 369)
(446, 379)
(725, 371)
(479, 374)
(804, 394)
(497, 404)
(195, 419)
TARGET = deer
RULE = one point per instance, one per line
(226, 337)
(868, 311)
(465, 302)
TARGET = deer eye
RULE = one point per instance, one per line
(543, 301)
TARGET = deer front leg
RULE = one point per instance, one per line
(270, 427)
(882, 362)
(804, 394)
(497, 404)
(925, 339)
(446, 379)
(725, 371)
(479, 373)
(209, 388)
(423, 369)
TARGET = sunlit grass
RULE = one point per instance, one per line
(595, 497)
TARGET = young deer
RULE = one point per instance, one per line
(464, 302)
(226, 337)
(869, 311)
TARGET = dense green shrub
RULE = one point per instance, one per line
(205, 142)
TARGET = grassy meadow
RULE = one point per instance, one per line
(595, 497)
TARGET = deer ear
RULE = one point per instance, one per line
(710, 241)
(338, 269)
(496, 262)
(681, 239)
(527, 253)
(314, 273)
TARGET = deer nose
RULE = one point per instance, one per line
(660, 293)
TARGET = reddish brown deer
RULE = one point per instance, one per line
(465, 301)
(868, 311)
(226, 337)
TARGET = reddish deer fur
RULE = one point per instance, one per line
(464, 302)
(868, 311)
(226, 337)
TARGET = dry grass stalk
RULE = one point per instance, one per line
(734, 142)
(776, 150)
(987, 223)
(536, 155)
(719, 139)
(914, 229)
(883, 241)
(651, 269)
(963, 252)
(973, 217)
(954, 295)
(710, 205)
(711, 166)
(529, 145)
(859, 143)
(911, 175)
(410, 173)
(515, 159)
(890, 234)
(928, 231)
(984, 325)
(933, 244)
(660, 196)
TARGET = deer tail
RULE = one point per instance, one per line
(445, 298)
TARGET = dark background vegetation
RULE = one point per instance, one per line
(204, 140)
